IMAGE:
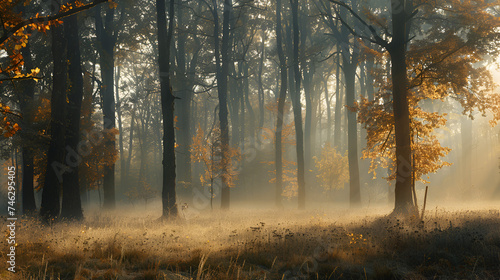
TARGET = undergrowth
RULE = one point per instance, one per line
(261, 245)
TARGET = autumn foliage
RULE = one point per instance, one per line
(445, 62)
(208, 150)
(332, 168)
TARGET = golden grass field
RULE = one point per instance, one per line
(262, 244)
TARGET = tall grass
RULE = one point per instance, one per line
(265, 244)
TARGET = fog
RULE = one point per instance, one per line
(250, 139)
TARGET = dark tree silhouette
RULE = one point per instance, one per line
(167, 106)
(28, 194)
(50, 206)
(297, 108)
(71, 202)
(222, 59)
(107, 33)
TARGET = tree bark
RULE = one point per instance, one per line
(71, 203)
(281, 107)
(120, 129)
(260, 85)
(183, 107)
(297, 109)
(167, 105)
(397, 51)
(251, 113)
(28, 199)
(352, 133)
(328, 112)
(222, 92)
(106, 37)
(50, 206)
(338, 105)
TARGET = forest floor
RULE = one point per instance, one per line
(260, 244)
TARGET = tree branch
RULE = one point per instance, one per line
(57, 16)
(377, 39)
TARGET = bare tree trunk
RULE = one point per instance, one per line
(130, 143)
(28, 194)
(120, 128)
(249, 107)
(297, 110)
(260, 85)
(167, 106)
(397, 50)
(352, 134)
(71, 203)
(338, 105)
(328, 112)
(183, 106)
(106, 37)
(222, 91)
(281, 107)
(50, 206)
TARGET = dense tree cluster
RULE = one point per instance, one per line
(137, 98)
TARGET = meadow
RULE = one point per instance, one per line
(262, 244)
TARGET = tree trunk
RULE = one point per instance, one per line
(297, 109)
(183, 108)
(251, 113)
(50, 205)
(281, 107)
(307, 74)
(71, 203)
(308, 125)
(328, 112)
(260, 84)
(130, 143)
(106, 37)
(352, 134)
(28, 195)
(234, 90)
(222, 92)
(338, 105)
(167, 106)
(397, 50)
(120, 129)
(370, 88)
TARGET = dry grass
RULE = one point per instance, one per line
(262, 244)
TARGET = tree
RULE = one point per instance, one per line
(281, 107)
(50, 206)
(184, 77)
(208, 150)
(13, 40)
(333, 168)
(349, 50)
(25, 100)
(222, 69)
(297, 110)
(397, 50)
(107, 34)
(441, 64)
(71, 202)
(167, 107)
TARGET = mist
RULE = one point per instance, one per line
(240, 139)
